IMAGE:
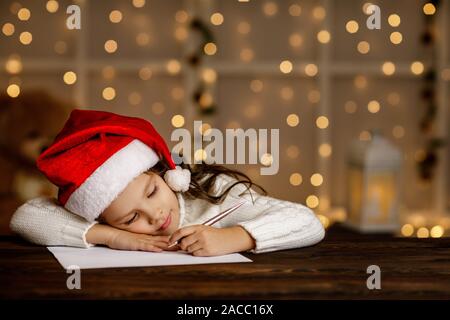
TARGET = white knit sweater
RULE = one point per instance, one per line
(273, 223)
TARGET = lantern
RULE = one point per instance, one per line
(373, 185)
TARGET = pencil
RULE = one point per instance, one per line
(216, 218)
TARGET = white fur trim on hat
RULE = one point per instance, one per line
(178, 179)
(104, 185)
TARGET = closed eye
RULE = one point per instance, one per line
(155, 189)
(132, 219)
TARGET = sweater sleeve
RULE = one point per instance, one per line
(43, 221)
(276, 224)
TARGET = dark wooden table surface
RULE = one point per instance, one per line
(336, 268)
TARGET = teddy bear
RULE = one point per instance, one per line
(28, 125)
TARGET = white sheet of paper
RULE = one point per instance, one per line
(102, 257)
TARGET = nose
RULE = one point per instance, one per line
(156, 217)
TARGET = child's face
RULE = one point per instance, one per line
(146, 204)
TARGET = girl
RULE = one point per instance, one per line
(119, 187)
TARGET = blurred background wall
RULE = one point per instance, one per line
(313, 69)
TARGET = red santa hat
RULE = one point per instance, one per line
(97, 154)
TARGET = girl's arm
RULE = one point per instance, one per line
(43, 221)
(274, 224)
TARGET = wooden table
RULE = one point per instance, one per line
(336, 268)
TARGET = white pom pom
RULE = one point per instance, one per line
(178, 179)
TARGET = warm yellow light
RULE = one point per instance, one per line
(15, 7)
(177, 93)
(24, 14)
(181, 33)
(266, 159)
(200, 155)
(398, 132)
(360, 82)
(407, 230)
(145, 73)
(295, 179)
(134, 98)
(394, 20)
(142, 39)
(209, 75)
(311, 69)
(396, 37)
(286, 66)
(388, 68)
(206, 100)
(322, 122)
(52, 6)
(295, 40)
(314, 96)
(292, 151)
(13, 65)
(108, 72)
(350, 107)
(8, 29)
(325, 150)
(423, 233)
(115, 16)
(217, 19)
(138, 3)
(429, 9)
(319, 13)
(292, 120)
(158, 108)
(352, 26)
(365, 136)
(324, 220)
(323, 36)
(437, 231)
(205, 129)
(373, 106)
(252, 111)
(181, 16)
(13, 90)
(70, 77)
(246, 54)
(26, 38)
(366, 6)
(178, 121)
(243, 27)
(173, 66)
(210, 48)
(363, 47)
(286, 93)
(256, 85)
(270, 8)
(417, 67)
(109, 93)
(312, 201)
(110, 46)
(393, 98)
(295, 10)
(60, 47)
(316, 179)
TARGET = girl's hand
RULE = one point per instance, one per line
(201, 240)
(124, 240)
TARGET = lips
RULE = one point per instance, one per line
(166, 223)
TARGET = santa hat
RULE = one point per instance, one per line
(97, 154)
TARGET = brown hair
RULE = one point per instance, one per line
(203, 177)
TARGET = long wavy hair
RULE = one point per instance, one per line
(203, 177)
